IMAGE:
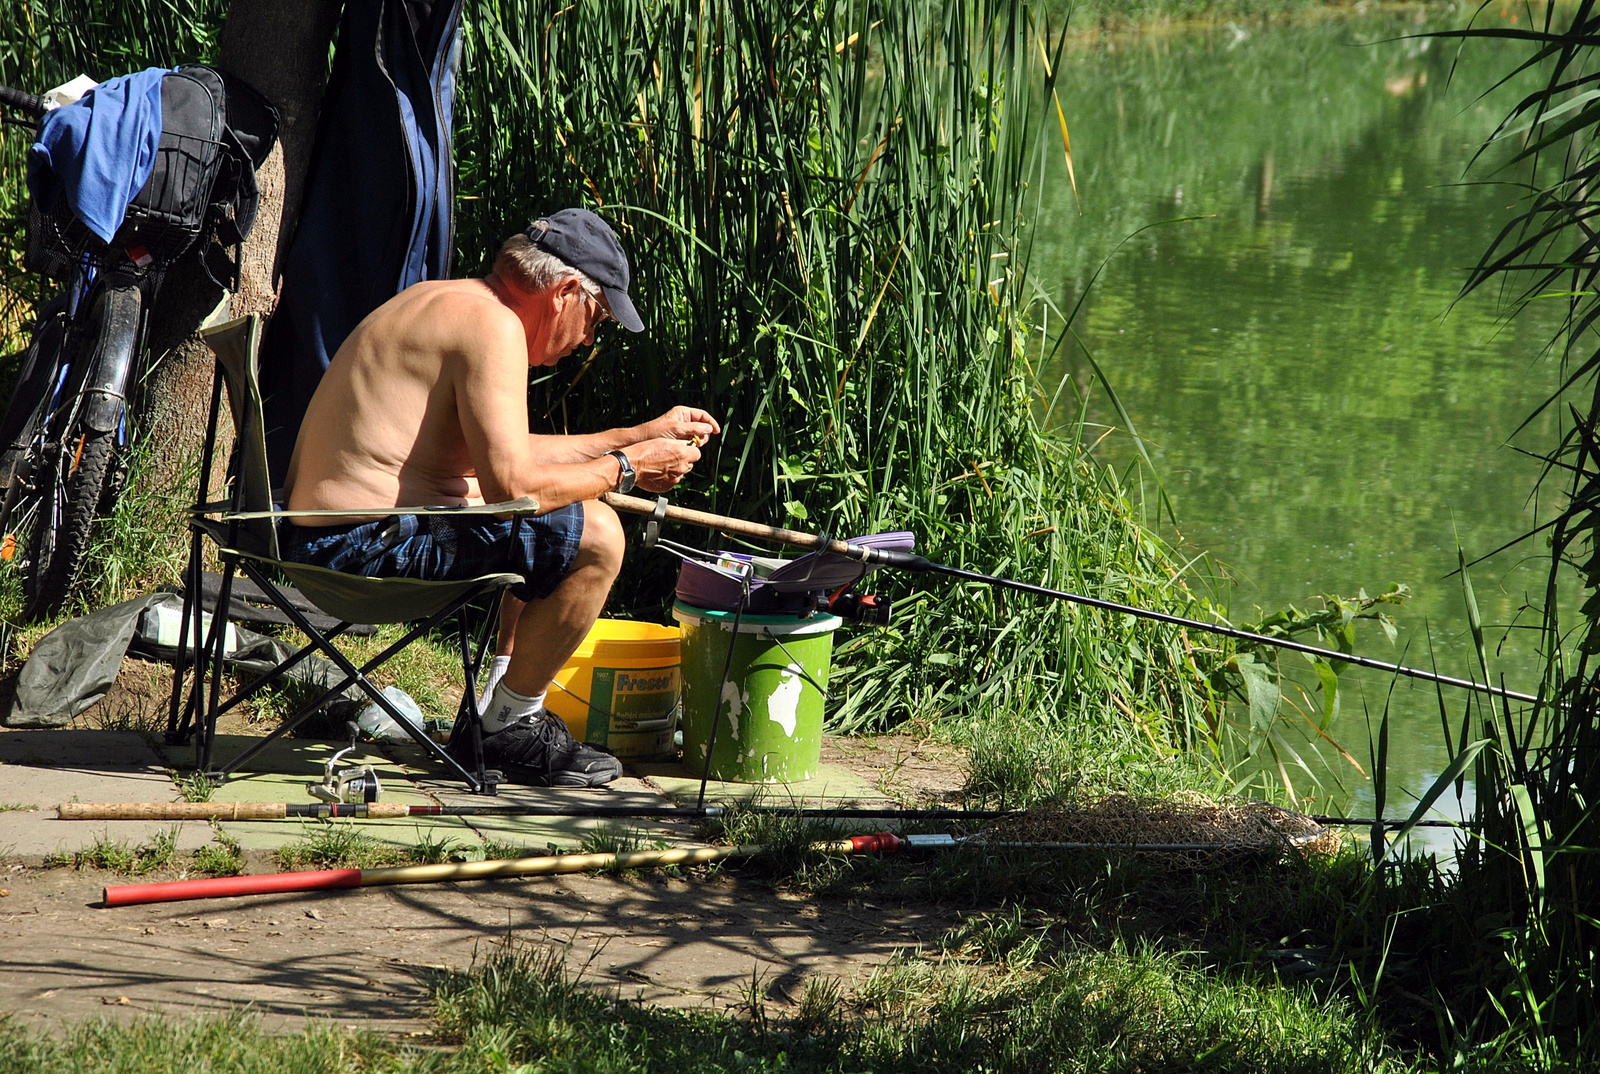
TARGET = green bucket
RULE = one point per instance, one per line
(771, 727)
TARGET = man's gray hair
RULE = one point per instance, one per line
(522, 263)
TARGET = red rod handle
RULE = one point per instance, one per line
(221, 887)
(881, 843)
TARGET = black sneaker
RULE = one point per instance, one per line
(539, 751)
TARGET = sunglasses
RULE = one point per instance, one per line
(605, 314)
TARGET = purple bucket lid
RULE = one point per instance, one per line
(715, 589)
(706, 587)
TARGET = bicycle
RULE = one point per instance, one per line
(66, 432)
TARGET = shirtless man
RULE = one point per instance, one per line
(426, 405)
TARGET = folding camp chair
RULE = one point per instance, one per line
(244, 528)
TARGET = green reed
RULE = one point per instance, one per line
(1529, 878)
(827, 208)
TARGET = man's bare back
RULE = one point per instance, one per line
(426, 405)
(383, 429)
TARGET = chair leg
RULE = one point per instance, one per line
(178, 724)
(217, 643)
(300, 715)
(358, 676)
(199, 653)
(469, 720)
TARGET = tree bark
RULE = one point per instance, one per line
(280, 47)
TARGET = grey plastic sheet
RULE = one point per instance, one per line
(76, 664)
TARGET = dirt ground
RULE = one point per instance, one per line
(363, 957)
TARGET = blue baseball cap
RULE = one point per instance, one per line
(587, 243)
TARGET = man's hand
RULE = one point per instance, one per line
(680, 423)
(662, 462)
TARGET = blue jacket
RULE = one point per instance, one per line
(379, 208)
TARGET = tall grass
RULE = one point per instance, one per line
(826, 205)
(1530, 876)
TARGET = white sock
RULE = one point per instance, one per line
(506, 707)
(497, 671)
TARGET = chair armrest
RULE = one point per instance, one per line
(525, 505)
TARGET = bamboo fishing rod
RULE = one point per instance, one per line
(660, 510)
(447, 872)
(880, 843)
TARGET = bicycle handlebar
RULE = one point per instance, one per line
(31, 103)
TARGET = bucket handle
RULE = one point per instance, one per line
(795, 666)
(661, 723)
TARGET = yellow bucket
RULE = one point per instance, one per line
(620, 689)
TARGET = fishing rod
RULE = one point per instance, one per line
(179, 811)
(401, 810)
(880, 844)
(659, 510)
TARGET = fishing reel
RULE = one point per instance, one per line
(868, 609)
(353, 786)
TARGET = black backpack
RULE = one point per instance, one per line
(215, 132)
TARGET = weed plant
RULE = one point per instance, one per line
(343, 845)
(1118, 1010)
(335, 845)
(119, 856)
(194, 787)
(521, 1010)
(617, 839)
(791, 858)
(1014, 763)
(224, 857)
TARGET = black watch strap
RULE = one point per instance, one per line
(627, 476)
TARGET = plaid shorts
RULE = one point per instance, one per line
(439, 548)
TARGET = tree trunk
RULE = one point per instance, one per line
(280, 47)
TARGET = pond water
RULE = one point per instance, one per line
(1322, 413)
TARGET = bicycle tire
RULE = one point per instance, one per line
(66, 520)
(25, 418)
(77, 461)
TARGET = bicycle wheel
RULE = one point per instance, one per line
(21, 432)
(65, 520)
(76, 458)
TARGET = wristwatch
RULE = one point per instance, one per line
(628, 476)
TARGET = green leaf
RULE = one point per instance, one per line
(1474, 620)
(1261, 687)
(1330, 691)
(1532, 837)
(1380, 785)
(796, 509)
(1459, 765)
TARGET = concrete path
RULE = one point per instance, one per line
(41, 769)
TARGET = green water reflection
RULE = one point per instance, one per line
(1320, 415)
